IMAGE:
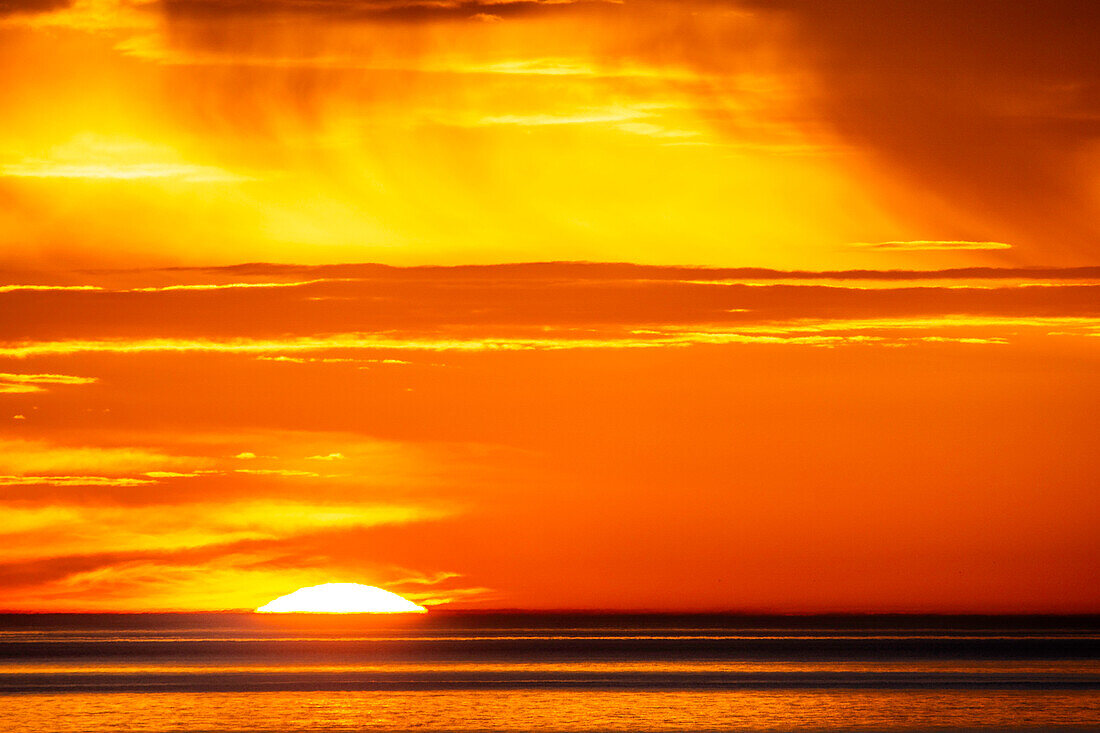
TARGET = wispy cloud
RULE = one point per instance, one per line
(72, 481)
(219, 286)
(563, 339)
(28, 383)
(932, 245)
(94, 157)
(329, 457)
(66, 529)
(190, 468)
(394, 10)
(100, 526)
(39, 168)
(205, 579)
(354, 316)
(17, 288)
(28, 458)
(578, 117)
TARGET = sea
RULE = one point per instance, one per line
(84, 673)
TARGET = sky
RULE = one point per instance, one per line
(705, 305)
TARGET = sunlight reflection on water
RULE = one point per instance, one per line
(541, 710)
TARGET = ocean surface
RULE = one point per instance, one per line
(546, 672)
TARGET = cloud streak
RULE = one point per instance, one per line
(92, 157)
(390, 10)
(11, 383)
(72, 481)
(349, 312)
(796, 332)
(16, 7)
(71, 529)
(934, 245)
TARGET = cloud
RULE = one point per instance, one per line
(16, 288)
(110, 541)
(29, 458)
(29, 383)
(216, 286)
(100, 15)
(582, 117)
(265, 273)
(202, 579)
(389, 10)
(13, 7)
(97, 158)
(472, 451)
(790, 332)
(988, 105)
(367, 314)
(72, 481)
(178, 474)
(190, 467)
(59, 529)
(934, 245)
(90, 16)
(994, 154)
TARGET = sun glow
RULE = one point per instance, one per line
(341, 598)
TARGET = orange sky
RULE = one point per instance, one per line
(815, 326)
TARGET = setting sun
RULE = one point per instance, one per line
(341, 598)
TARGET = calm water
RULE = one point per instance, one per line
(227, 672)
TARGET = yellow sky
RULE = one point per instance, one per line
(406, 132)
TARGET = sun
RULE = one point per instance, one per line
(341, 598)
